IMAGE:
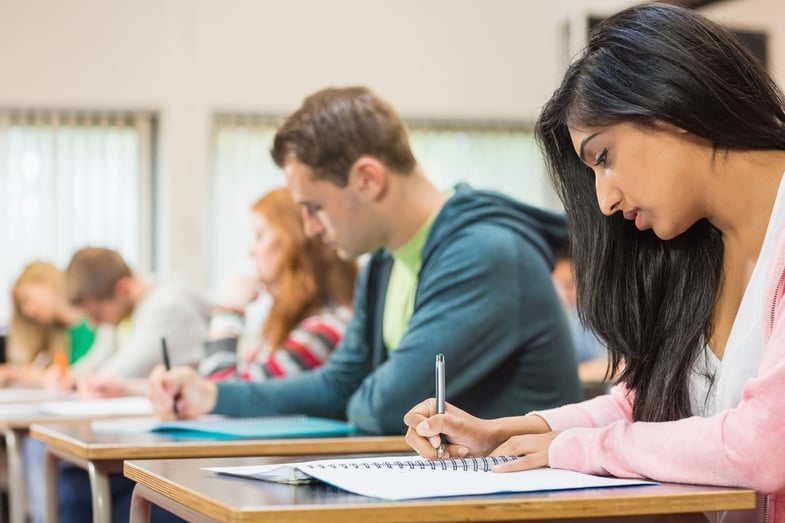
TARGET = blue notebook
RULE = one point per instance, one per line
(294, 426)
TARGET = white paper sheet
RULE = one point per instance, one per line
(371, 477)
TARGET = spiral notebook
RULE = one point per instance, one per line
(402, 477)
(289, 426)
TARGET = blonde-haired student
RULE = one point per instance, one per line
(44, 327)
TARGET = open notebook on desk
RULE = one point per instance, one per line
(397, 477)
(290, 426)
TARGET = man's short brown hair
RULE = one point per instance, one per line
(93, 273)
(336, 126)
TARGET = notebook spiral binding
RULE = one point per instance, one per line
(482, 464)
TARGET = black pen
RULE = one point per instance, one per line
(440, 399)
(168, 366)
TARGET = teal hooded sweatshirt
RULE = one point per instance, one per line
(484, 299)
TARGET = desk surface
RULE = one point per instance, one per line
(80, 440)
(224, 498)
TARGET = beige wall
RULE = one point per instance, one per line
(187, 59)
(757, 15)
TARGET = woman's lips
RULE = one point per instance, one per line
(636, 217)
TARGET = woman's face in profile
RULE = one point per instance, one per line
(37, 301)
(267, 251)
(655, 177)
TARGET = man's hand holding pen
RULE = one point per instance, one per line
(183, 388)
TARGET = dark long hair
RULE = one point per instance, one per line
(650, 300)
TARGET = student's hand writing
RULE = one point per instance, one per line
(532, 450)
(56, 378)
(466, 434)
(471, 436)
(194, 395)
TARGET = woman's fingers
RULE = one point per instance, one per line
(529, 461)
(531, 449)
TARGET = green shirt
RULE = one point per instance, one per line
(82, 336)
(402, 286)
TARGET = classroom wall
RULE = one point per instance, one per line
(757, 15)
(187, 59)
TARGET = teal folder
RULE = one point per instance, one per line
(259, 427)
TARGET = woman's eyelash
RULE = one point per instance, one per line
(602, 158)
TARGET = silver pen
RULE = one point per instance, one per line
(440, 399)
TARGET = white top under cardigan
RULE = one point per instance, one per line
(745, 343)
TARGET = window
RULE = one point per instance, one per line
(494, 155)
(70, 179)
(502, 156)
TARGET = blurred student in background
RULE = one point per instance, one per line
(44, 327)
(99, 281)
(589, 350)
(311, 291)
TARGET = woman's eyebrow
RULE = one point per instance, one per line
(583, 144)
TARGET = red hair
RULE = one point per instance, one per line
(311, 277)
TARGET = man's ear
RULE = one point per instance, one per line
(369, 177)
(123, 287)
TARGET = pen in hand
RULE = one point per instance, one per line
(168, 367)
(440, 399)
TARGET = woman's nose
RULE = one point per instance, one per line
(608, 195)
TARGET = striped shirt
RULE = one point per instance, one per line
(306, 347)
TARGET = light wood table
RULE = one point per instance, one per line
(197, 495)
(102, 453)
(18, 410)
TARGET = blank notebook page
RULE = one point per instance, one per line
(397, 478)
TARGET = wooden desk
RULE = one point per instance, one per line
(15, 423)
(198, 495)
(14, 399)
(102, 453)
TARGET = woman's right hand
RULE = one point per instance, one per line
(180, 393)
(466, 435)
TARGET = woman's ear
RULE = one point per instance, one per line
(664, 126)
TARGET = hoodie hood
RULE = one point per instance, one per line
(544, 230)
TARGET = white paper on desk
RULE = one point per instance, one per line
(21, 395)
(18, 410)
(413, 483)
(93, 408)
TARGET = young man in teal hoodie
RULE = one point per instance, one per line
(466, 274)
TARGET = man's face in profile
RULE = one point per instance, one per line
(335, 214)
(109, 311)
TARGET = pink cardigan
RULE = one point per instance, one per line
(743, 446)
